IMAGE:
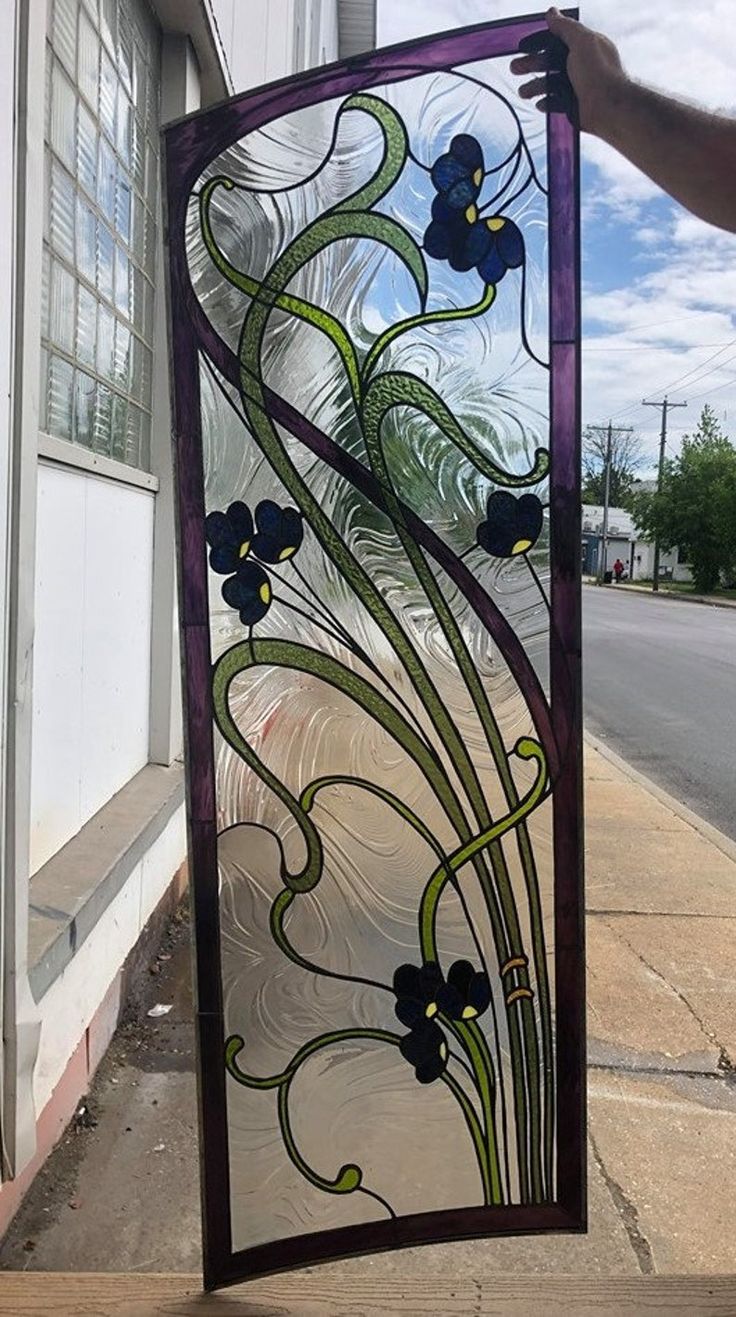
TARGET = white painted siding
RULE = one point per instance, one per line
(260, 37)
(91, 676)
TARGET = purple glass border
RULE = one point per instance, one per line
(189, 146)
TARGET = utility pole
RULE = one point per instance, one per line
(665, 405)
(608, 431)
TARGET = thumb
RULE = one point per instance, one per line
(562, 27)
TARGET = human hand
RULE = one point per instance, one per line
(593, 68)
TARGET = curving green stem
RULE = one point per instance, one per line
(353, 222)
(349, 1177)
(492, 1194)
(471, 1034)
(485, 1079)
(526, 748)
(297, 306)
(302, 658)
(429, 318)
(383, 394)
(309, 795)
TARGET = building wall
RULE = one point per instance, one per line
(266, 41)
(92, 651)
(92, 657)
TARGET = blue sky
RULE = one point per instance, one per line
(659, 286)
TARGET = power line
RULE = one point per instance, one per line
(634, 406)
(646, 347)
(707, 392)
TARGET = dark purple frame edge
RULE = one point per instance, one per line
(189, 146)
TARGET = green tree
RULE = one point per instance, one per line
(626, 458)
(696, 507)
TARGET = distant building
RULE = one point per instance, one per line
(626, 541)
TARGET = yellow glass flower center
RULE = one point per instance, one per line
(495, 223)
(431, 1010)
(521, 546)
(265, 592)
(478, 177)
(471, 214)
(245, 546)
(287, 552)
(469, 1013)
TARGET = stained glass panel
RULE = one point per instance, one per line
(374, 324)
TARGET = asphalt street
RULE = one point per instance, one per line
(660, 689)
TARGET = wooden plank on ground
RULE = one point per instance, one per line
(38, 1294)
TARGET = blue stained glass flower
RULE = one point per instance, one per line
(229, 535)
(249, 591)
(235, 542)
(512, 525)
(426, 1049)
(279, 532)
(466, 994)
(458, 175)
(457, 232)
(416, 988)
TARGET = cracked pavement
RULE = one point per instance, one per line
(122, 1195)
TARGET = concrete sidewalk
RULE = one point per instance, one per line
(122, 1194)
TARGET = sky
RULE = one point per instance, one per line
(659, 286)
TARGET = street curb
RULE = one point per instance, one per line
(706, 830)
(669, 594)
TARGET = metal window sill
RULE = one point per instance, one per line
(70, 892)
(62, 452)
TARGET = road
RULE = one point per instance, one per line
(660, 689)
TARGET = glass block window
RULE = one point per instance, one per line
(102, 122)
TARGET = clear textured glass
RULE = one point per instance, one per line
(107, 176)
(87, 151)
(108, 23)
(64, 33)
(59, 398)
(122, 356)
(105, 342)
(61, 212)
(134, 435)
(43, 390)
(139, 229)
(102, 422)
(85, 397)
(108, 95)
(123, 203)
(138, 153)
(86, 241)
(105, 261)
(109, 50)
(89, 60)
(385, 836)
(86, 326)
(61, 310)
(122, 281)
(119, 428)
(45, 291)
(124, 125)
(125, 51)
(63, 117)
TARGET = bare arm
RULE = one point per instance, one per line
(689, 153)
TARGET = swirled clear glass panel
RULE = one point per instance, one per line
(375, 428)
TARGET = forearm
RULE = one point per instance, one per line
(688, 152)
